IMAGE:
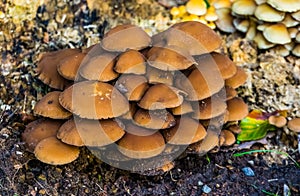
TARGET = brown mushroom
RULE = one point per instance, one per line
(294, 125)
(278, 121)
(39, 130)
(225, 20)
(123, 37)
(52, 151)
(94, 100)
(47, 68)
(161, 96)
(229, 138)
(131, 61)
(141, 143)
(48, 106)
(154, 119)
(238, 79)
(226, 66)
(237, 108)
(186, 131)
(100, 68)
(184, 108)
(156, 76)
(210, 141)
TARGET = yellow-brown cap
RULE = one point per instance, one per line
(294, 125)
(52, 151)
(123, 37)
(285, 5)
(94, 100)
(237, 108)
(184, 108)
(131, 61)
(243, 7)
(210, 141)
(49, 106)
(277, 34)
(278, 121)
(238, 79)
(229, 138)
(156, 76)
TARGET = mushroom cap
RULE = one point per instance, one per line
(52, 151)
(277, 33)
(218, 4)
(230, 92)
(209, 108)
(156, 76)
(184, 108)
(123, 37)
(225, 65)
(237, 108)
(294, 125)
(229, 138)
(169, 58)
(238, 79)
(141, 143)
(94, 100)
(161, 96)
(296, 15)
(261, 42)
(195, 36)
(49, 106)
(244, 7)
(100, 68)
(296, 50)
(154, 119)
(289, 21)
(203, 81)
(132, 86)
(241, 24)
(196, 7)
(278, 121)
(47, 68)
(267, 13)
(285, 5)
(210, 141)
(38, 130)
(131, 61)
(185, 132)
(225, 20)
(70, 66)
(80, 132)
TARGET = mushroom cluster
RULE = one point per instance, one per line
(270, 23)
(134, 97)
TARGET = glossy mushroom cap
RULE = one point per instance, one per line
(238, 79)
(280, 37)
(229, 138)
(278, 121)
(52, 151)
(94, 100)
(50, 107)
(294, 125)
(285, 5)
(131, 61)
(141, 143)
(123, 37)
(237, 108)
(267, 13)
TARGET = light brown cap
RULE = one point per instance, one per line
(52, 151)
(235, 128)
(70, 66)
(161, 96)
(156, 76)
(131, 61)
(186, 131)
(241, 24)
(132, 109)
(237, 108)
(230, 92)
(278, 121)
(196, 7)
(261, 42)
(203, 81)
(210, 141)
(141, 143)
(80, 132)
(294, 125)
(277, 33)
(238, 79)
(100, 68)
(296, 50)
(169, 58)
(132, 86)
(49, 106)
(209, 108)
(184, 108)
(267, 13)
(94, 100)
(229, 137)
(225, 65)
(154, 119)
(243, 7)
(47, 68)
(218, 4)
(252, 30)
(225, 20)
(38, 130)
(123, 37)
(194, 36)
(285, 5)
(289, 21)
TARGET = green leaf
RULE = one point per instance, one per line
(254, 129)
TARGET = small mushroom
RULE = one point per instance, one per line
(94, 100)
(243, 7)
(141, 143)
(156, 76)
(278, 121)
(131, 61)
(277, 33)
(225, 20)
(294, 125)
(267, 13)
(184, 108)
(285, 5)
(52, 151)
(39, 130)
(120, 38)
(237, 108)
(186, 131)
(238, 79)
(196, 7)
(229, 138)
(50, 107)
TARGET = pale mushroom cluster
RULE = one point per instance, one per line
(270, 23)
(144, 95)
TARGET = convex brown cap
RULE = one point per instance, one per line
(294, 125)
(237, 108)
(131, 61)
